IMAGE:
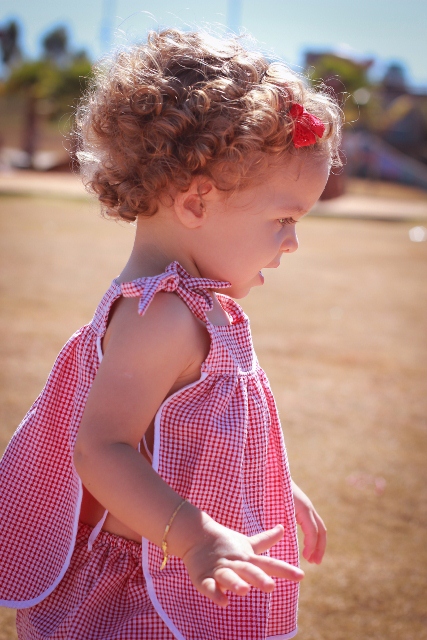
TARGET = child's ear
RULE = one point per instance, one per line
(190, 206)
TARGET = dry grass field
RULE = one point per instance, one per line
(341, 331)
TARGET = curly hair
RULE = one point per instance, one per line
(188, 104)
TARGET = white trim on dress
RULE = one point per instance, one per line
(145, 567)
(284, 636)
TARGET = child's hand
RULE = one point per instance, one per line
(226, 560)
(312, 526)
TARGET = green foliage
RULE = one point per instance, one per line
(37, 78)
(339, 71)
(49, 87)
(44, 80)
(71, 82)
(57, 79)
(345, 77)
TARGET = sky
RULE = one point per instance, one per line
(387, 30)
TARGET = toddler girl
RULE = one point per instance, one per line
(157, 422)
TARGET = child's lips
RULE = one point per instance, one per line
(274, 264)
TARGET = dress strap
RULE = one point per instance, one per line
(193, 291)
(147, 450)
(95, 531)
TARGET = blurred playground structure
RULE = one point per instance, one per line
(385, 136)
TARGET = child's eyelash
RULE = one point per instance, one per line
(287, 221)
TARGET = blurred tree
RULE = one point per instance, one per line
(342, 73)
(55, 45)
(9, 43)
(32, 80)
(50, 86)
(70, 82)
(346, 78)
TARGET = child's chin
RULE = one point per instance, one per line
(241, 291)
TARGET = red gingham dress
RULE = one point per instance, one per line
(217, 442)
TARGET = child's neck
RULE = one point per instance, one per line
(158, 242)
(156, 246)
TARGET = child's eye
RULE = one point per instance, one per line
(287, 221)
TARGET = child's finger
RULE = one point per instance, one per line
(278, 568)
(314, 537)
(263, 541)
(211, 590)
(227, 579)
(311, 534)
(320, 548)
(257, 573)
(254, 576)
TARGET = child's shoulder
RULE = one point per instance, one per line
(144, 358)
(166, 311)
(167, 325)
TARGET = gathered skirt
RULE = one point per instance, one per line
(102, 596)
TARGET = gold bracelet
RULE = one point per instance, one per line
(164, 541)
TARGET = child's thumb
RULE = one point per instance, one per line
(266, 539)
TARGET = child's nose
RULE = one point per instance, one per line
(290, 242)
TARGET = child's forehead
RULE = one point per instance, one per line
(293, 169)
(292, 186)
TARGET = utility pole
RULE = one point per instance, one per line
(234, 15)
(107, 24)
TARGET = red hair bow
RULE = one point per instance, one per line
(307, 126)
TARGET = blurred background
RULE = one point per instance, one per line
(340, 328)
(372, 54)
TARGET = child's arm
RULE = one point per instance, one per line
(144, 359)
(312, 526)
